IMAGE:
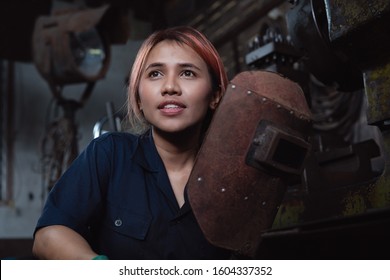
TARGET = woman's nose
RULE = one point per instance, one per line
(170, 87)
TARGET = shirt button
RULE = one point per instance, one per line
(118, 222)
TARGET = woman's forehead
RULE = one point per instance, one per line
(173, 51)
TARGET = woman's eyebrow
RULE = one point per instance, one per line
(181, 65)
(154, 65)
(189, 65)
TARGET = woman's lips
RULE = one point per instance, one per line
(171, 107)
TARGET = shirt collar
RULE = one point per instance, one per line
(146, 153)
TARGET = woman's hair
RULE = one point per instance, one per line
(183, 35)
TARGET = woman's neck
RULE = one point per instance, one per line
(176, 149)
(178, 152)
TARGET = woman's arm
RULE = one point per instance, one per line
(60, 243)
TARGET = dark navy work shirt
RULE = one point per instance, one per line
(118, 196)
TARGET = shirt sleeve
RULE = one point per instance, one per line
(77, 198)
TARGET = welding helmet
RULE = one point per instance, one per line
(255, 147)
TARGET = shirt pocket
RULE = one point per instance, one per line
(128, 223)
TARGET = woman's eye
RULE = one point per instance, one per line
(188, 73)
(154, 74)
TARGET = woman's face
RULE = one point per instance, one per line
(175, 89)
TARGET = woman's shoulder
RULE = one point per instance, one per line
(121, 140)
(110, 140)
(118, 137)
(124, 146)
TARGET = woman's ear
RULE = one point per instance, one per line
(139, 104)
(215, 99)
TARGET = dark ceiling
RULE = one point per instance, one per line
(17, 18)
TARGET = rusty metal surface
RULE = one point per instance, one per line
(232, 201)
(377, 88)
(345, 16)
(359, 30)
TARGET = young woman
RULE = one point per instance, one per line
(124, 196)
